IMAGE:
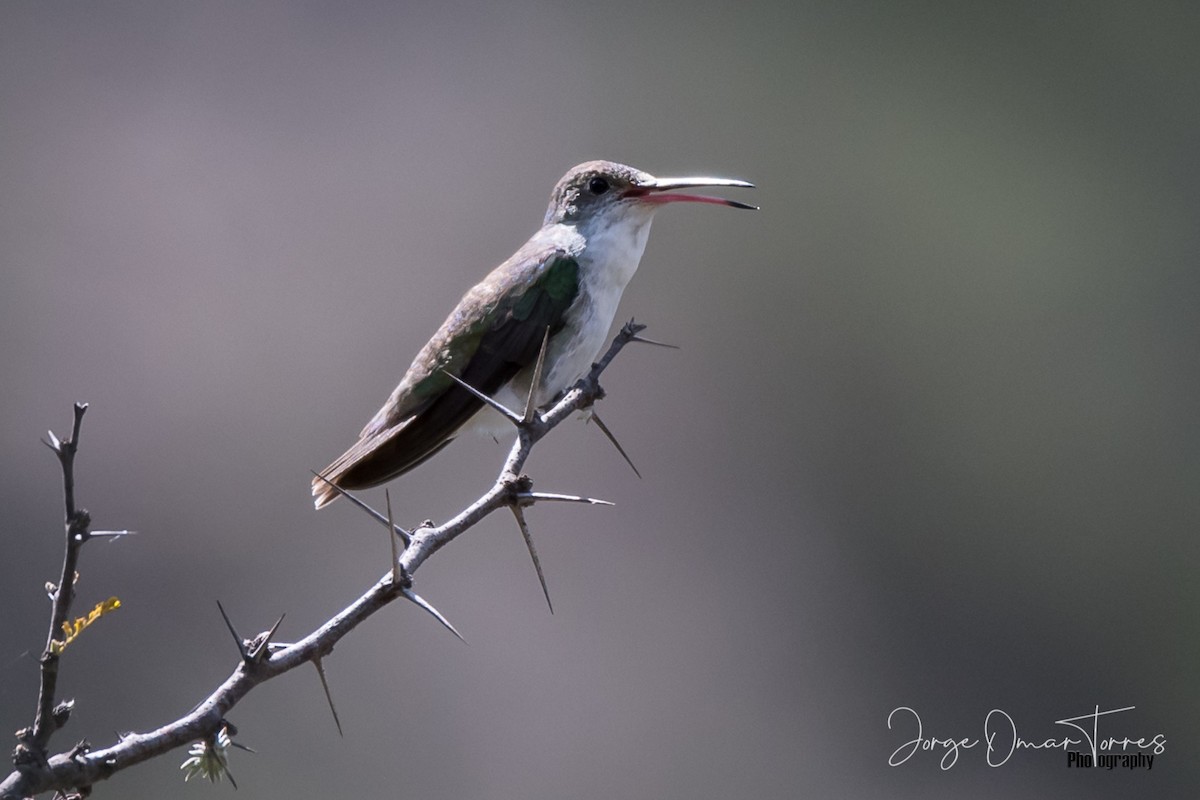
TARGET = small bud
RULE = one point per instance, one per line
(80, 750)
(62, 712)
(23, 755)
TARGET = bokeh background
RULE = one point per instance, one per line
(930, 441)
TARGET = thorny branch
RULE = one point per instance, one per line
(262, 660)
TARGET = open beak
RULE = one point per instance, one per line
(662, 190)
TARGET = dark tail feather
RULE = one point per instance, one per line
(322, 487)
(368, 463)
(389, 453)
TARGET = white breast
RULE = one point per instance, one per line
(608, 256)
(606, 266)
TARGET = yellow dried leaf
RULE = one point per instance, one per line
(71, 630)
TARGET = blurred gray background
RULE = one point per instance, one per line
(930, 440)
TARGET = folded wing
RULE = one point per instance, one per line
(495, 331)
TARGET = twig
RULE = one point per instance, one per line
(77, 523)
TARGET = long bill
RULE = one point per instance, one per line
(661, 190)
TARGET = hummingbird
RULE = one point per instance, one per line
(561, 287)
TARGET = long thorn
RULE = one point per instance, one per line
(241, 645)
(328, 695)
(537, 563)
(404, 535)
(263, 644)
(412, 596)
(275, 627)
(496, 404)
(604, 429)
(530, 404)
(554, 497)
(111, 535)
(387, 496)
(644, 340)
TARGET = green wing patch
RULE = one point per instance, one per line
(551, 295)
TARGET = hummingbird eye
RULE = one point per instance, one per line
(597, 186)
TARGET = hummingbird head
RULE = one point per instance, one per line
(612, 192)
